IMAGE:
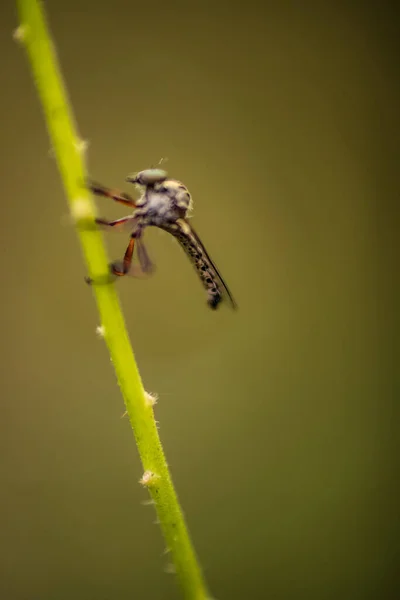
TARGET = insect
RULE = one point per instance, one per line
(164, 203)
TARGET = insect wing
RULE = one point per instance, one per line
(145, 261)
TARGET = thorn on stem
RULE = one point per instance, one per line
(81, 210)
(151, 399)
(20, 33)
(148, 502)
(101, 331)
(81, 146)
(149, 479)
(170, 569)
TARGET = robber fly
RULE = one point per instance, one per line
(164, 203)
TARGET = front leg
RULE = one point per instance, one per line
(117, 223)
(117, 196)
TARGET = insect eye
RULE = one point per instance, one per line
(147, 177)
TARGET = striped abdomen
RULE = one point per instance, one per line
(205, 268)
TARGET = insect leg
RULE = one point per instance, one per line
(118, 268)
(144, 259)
(117, 223)
(101, 190)
(122, 268)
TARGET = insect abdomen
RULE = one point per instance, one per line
(199, 259)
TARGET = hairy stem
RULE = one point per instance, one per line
(34, 34)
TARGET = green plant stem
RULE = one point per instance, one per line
(34, 34)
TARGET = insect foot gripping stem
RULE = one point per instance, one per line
(102, 279)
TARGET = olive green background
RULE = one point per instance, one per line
(279, 420)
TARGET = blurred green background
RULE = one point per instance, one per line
(278, 421)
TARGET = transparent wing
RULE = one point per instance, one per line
(145, 261)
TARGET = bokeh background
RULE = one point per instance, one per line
(278, 421)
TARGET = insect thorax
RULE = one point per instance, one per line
(164, 202)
